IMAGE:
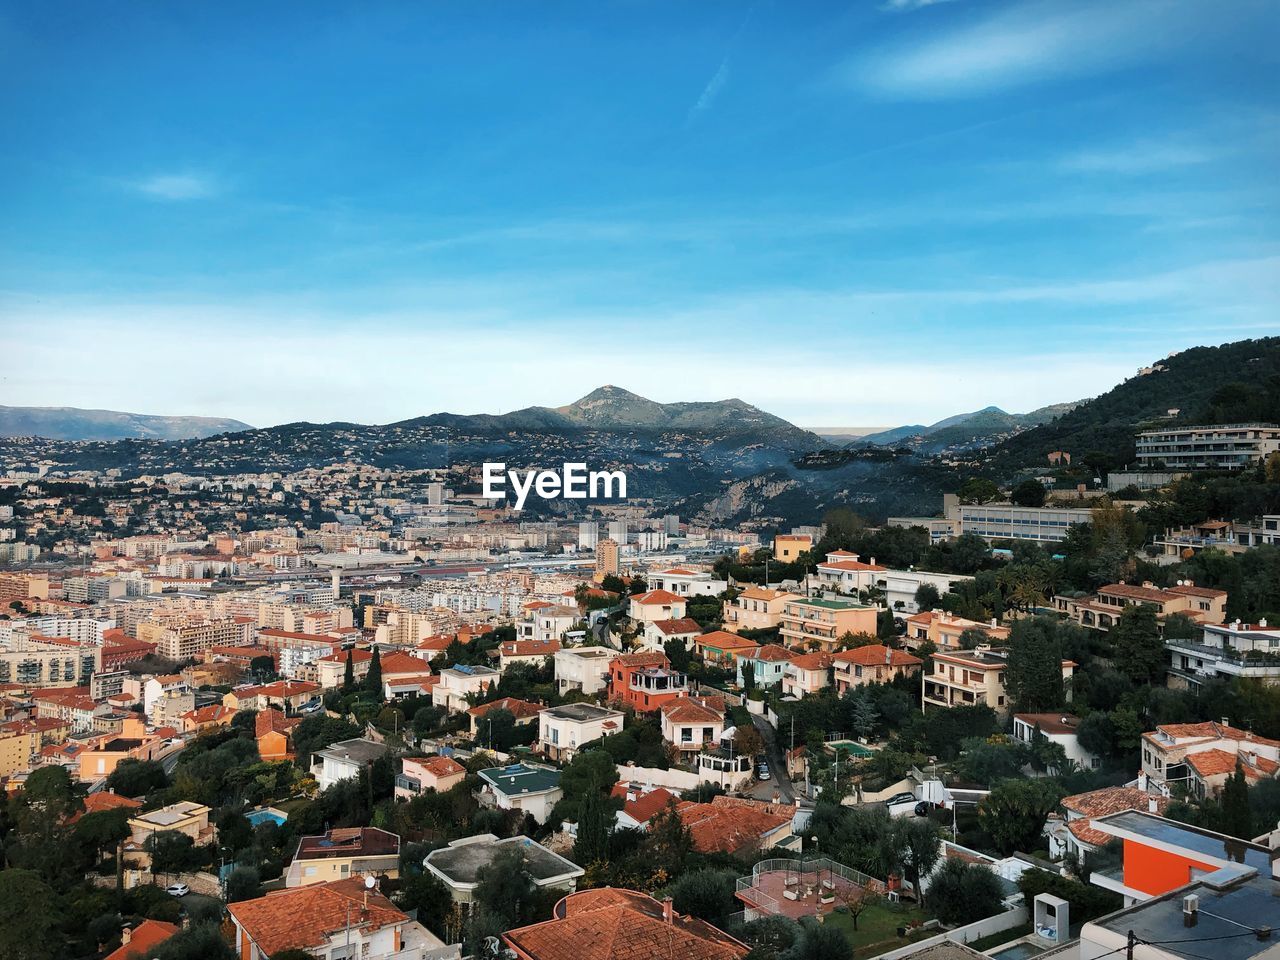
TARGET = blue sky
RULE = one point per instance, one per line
(862, 213)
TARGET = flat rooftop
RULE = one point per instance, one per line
(581, 711)
(1206, 843)
(1225, 917)
(463, 860)
(174, 813)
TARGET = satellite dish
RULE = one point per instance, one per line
(370, 882)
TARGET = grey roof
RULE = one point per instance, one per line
(948, 950)
(461, 861)
(1225, 917)
(358, 751)
(517, 778)
(581, 711)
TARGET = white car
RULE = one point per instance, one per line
(762, 772)
(177, 889)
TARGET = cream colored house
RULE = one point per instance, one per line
(756, 608)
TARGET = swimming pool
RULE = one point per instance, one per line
(1019, 951)
(262, 815)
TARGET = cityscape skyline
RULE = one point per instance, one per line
(1009, 204)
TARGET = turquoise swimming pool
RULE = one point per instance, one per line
(262, 815)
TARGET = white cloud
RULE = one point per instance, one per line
(1136, 158)
(710, 91)
(1028, 43)
(177, 186)
(905, 6)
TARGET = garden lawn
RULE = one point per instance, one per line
(878, 928)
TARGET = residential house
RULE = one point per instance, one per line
(1073, 834)
(817, 624)
(807, 673)
(330, 671)
(206, 718)
(288, 695)
(787, 547)
(140, 942)
(162, 686)
(756, 608)
(562, 730)
(640, 804)
(721, 648)
(615, 924)
(458, 865)
(656, 605)
(583, 668)
(341, 853)
(100, 759)
(1102, 610)
(186, 817)
(766, 665)
(532, 652)
(1200, 756)
(518, 786)
(419, 775)
(687, 583)
(873, 663)
(553, 621)
(738, 827)
(965, 678)
(658, 633)
(690, 723)
(274, 733)
(461, 681)
(1225, 650)
(943, 630)
(342, 918)
(1059, 728)
(344, 760)
(645, 681)
(524, 712)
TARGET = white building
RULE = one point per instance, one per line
(344, 760)
(531, 790)
(1226, 650)
(583, 668)
(1059, 728)
(1216, 447)
(588, 535)
(562, 730)
(457, 682)
(686, 583)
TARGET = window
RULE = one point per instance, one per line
(686, 734)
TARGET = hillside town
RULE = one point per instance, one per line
(362, 712)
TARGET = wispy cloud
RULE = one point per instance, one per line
(1138, 157)
(710, 91)
(1029, 43)
(904, 6)
(177, 186)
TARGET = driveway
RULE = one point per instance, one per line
(777, 762)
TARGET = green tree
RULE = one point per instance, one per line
(28, 917)
(425, 893)
(972, 637)
(349, 675)
(1033, 678)
(669, 843)
(963, 892)
(977, 490)
(594, 822)
(102, 830)
(1237, 818)
(199, 942)
(1029, 493)
(707, 894)
(373, 679)
(136, 778)
(171, 851)
(1136, 648)
(1014, 812)
(917, 842)
(243, 883)
(819, 942)
(503, 894)
(928, 597)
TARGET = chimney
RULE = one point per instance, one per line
(888, 656)
(1152, 805)
(126, 935)
(1263, 623)
(1190, 910)
(668, 910)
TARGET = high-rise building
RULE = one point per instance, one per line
(671, 525)
(618, 531)
(588, 535)
(607, 558)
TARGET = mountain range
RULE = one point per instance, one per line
(727, 461)
(74, 423)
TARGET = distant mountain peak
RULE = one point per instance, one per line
(75, 423)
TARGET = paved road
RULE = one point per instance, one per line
(777, 762)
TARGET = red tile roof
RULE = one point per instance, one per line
(520, 709)
(728, 825)
(145, 937)
(678, 627)
(661, 597)
(307, 917)
(694, 710)
(877, 654)
(646, 805)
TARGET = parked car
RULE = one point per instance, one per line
(177, 889)
(762, 772)
(902, 804)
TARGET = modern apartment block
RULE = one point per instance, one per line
(819, 624)
(1226, 650)
(966, 678)
(1226, 446)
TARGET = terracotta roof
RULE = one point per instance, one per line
(271, 719)
(646, 805)
(1109, 800)
(357, 656)
(401, 663)
(877, 654)
(281, 688)
(772, 653)
(1130, 592)
(730, 827)
(1210, 730)
(664, 597)
(678, 627)
(648, 658)
(520, 709)
(210, 714)
(849, 565)
(620, 926)
(723, 640)
(308, 916)
(813, 661)
(441, 766)
(146, 936)
(1083, 831)
(529, 648)
(694, 710)
(762, 593)
(106, 800)
(1213, 763)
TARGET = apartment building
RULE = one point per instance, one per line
(874, 663)
(1200, 756)
(1102, 610)
(965, 678)
(1225, 650)
(1006, 521)
(818, 624)
(186, 638)
(943, 630)
(787, 547)
(562, 730)
(583, 668)
(40, 661)
(756, 608)
(607, 552)
(1227, 446)
(687, 583)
